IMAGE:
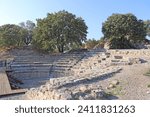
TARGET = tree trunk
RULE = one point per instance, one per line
(61, 48)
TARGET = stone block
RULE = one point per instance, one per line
(115, 82)
(118, 57)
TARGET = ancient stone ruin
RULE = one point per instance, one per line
(71, 75)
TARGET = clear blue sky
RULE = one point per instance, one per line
(94, 12)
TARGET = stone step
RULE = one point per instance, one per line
(36, 56)
(32, 61)
(33, 82)
(72, 54)
(60, 68)
(29, 74)
(29, 70)
(30, 65)
(64, 62)
(60, 74)
(63, 65)
(59, 71)
(32, 68)
(69, 59)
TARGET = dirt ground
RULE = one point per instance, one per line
(133, 84)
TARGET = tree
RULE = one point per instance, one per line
(123, 31)
(147, 25)
(91, 43)
(28, 32)
(61, 31)
(11, 35)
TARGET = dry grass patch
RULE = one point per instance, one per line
(147, 73)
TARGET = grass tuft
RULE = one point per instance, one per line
(147, 73)
(148, 85)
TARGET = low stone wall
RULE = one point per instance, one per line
(73, 88)
(131, 52)
(82, 92)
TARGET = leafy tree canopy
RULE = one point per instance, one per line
(123, 30)
(11, 35)
(91, 43)
(28, 32)
(59, 31)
